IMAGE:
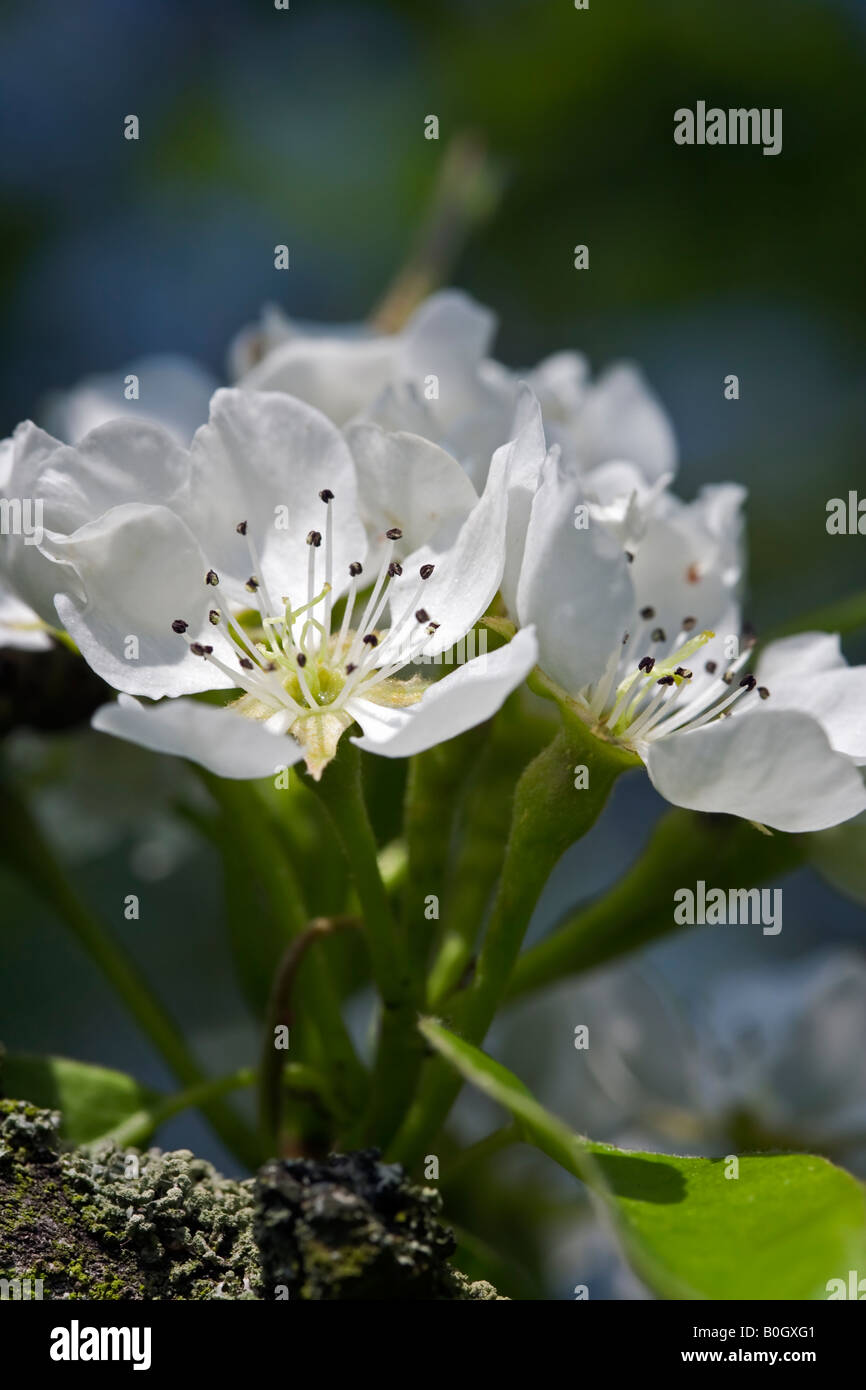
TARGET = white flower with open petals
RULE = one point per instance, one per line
(649, 651)
(257, 576)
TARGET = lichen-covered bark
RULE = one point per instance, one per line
(108, 1223)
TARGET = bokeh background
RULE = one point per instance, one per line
(306, 127)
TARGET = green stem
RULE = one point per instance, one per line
(640, 907)
(550, 814)
(482, 834)
(399, 1050)
(261, 848)
(28, 854)
(137, 1130)
(485, 1148)
(432, 789)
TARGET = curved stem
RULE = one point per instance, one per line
(346, 1066)
(256, 839)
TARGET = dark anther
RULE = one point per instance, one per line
(647, 613)
(689, 623)
(749, 682)
(712, 667)
(681, 671)
(422, 615)
(433, 627)
(252, 584)
(241, 528)
(426, 571)
(395, 534)
(646, 663)
(763, 692)
(198, 650)
(371, 639)
(355, 569)
(212, 577)
(314, 538)
(179, 625)
(350, 668)
(625, 637)
(394, 569)
(658, 635)
(246, 663)
(214, 616)
(302, 660)
(666, 680)
(326, 494)
(629, 556)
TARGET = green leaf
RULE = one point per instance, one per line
(91, 1099)
(780, 1230)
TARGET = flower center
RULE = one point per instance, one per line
(300, 671)
(638, 701)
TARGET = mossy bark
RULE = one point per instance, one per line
(109, 1223)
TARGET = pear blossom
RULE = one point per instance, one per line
(649, 650)
(230, 581)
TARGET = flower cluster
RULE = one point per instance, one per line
(354, 506)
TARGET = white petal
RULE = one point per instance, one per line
(262, 458)
(408, 482)
(574, 585)
(173, 392)
(223, 741)
(447, 337)
(20, 627)
(622, 418)
(339, 376)
(803, 654)
(254, 341)
(560, 382)
(468, 574)
(517, 467)
(122, 461)
(140, 569)
(467, 697)
(830, 691)
(682, 568)
(774, 767)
